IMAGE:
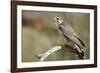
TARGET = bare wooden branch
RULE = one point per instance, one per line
(46, 54)
(66, 48)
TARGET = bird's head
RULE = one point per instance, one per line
(58, 20)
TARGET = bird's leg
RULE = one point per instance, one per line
(67, 42)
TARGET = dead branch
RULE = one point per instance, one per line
(46, 54)
(66, 48)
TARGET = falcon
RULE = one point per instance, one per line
(69, 34)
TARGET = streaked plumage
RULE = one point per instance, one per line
(67, 31)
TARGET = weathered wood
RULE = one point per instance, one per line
(66, 48)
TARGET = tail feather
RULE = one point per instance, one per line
(80, 52)
(81, 55)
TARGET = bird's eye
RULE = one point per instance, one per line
(57, 18)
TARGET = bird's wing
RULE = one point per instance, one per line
(80, 41)
(69, 33)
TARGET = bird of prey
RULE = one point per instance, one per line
(69, 34)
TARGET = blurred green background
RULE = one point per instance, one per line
(39, 34)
